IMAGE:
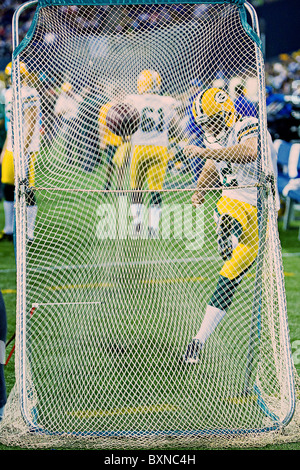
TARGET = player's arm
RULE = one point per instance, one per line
(30, 116)
(209, 177)
(245, 152)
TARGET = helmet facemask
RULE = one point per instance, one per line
(216, 128)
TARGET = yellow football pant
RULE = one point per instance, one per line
(244, 254)
(148, 162)
(8, 172)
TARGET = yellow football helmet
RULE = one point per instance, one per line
(149, 81)
(213, 110)
(23, 69)
(66, 87)
(8, 69)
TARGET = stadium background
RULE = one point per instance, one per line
(280, 35)
(280, 38)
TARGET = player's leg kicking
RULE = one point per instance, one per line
(236, 220)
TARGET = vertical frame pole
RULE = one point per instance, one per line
(20, 211)
(266, 215)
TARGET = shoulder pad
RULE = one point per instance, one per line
(246, 127)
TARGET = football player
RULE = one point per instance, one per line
(31, 118)
(231, 159)
(109, 143)
(149, 156)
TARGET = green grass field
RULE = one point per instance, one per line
(63, 286)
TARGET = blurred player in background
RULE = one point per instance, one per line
(2, 126)
(230, 154)
(86, 129)
(109, 143)
(31, 142)
(149, 154)
(65, 111)
(194, 131)
(243, 106)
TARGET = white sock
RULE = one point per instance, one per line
(137, 212)
(31, 216)
(155, 213)
(9, 217)
(211, 319)
(2, 352)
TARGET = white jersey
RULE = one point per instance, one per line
(29, 98)
(243, 177)
(8, 117)
(156, 113)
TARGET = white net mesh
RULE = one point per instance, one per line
(117, 269)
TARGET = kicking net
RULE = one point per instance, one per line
(150, 309)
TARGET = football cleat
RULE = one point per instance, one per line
(6, 236)
(192, 353)
(116, 349)
(224, 236)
